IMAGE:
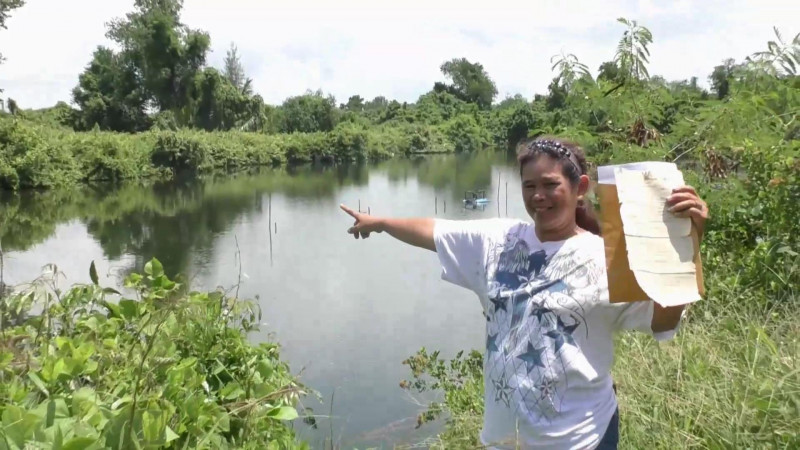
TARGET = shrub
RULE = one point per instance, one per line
(173, 369)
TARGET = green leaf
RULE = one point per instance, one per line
(52, 410)
(93, 274)
(5, 359)
(232, 391)
(154, 268)
(187, 362)
(129, 309)
(265, 369)
(58, 439)
(283, 413)
(153, 424)
(19, 425)
(113, 309)
(171, 435)
(79, 443)
(60, 367)
(38, 383)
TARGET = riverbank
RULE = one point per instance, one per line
(39, 156)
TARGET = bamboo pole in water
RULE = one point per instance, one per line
(436, 205)
(498, 193)
(506, 198)
(269, 226)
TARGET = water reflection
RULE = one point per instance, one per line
(346, 313)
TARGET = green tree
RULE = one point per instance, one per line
(632, 52)
(234, 71)
(609, 71)
(557, 96)
(155, 70)
(780, 58)
(355, 103)
(309, 113)
(470, 81)
(569, 70)
(6, 6)
(720, 78)
(512, 102)
(109, 94)
(220, 105)
(377, 103)
(164, 53)
(13, 108)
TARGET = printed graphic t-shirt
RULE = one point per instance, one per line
(549, 329)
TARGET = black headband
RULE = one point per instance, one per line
(556, 147)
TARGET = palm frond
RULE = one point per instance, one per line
(778, 34)
(788, 61)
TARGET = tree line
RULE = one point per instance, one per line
(159, 78)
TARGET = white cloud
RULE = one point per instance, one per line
(395, 49)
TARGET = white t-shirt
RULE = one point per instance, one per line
(549, 330)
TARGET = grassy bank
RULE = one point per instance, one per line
(167, 368)
(35, 155)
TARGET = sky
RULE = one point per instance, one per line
(395, 49)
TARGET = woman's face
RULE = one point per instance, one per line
(550, 198)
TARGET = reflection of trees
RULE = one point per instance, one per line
(447, 172)
(168, 220)
(176, 219)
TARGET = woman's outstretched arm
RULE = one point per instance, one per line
(415, 231)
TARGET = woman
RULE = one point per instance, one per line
(544, 291)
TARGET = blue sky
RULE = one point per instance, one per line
(372, 48)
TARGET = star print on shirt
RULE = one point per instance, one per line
(502, 391)
(532, 357)
(539, 311)
(562, 334)
(491, 343)
(546, 388)
(499, 303)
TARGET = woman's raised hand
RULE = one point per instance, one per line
(364, 224)
(684, 202)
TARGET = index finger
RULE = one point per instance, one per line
(684, 188)
(349, 211)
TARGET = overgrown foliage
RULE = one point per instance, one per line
(90, 368)
(38, 156)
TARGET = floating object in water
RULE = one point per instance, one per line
(475, 198)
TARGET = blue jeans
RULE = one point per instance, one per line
(611, 437)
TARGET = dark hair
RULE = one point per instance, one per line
(573, 165)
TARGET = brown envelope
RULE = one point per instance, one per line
(622, 284)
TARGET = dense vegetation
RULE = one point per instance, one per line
(731, 379)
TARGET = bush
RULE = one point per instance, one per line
(31, 160)
(181, 151)
(173, 369)
(466, 134)
(348, 142)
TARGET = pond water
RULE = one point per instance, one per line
(346, 313)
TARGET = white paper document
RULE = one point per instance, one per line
(659, 245)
